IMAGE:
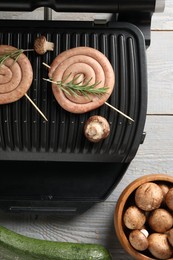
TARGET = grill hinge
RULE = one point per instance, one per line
(100, 21)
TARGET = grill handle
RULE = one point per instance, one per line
(100, 6)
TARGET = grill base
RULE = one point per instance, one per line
(65, 188)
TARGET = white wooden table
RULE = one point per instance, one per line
(155, 155)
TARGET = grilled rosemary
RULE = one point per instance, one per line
(12, 54)
(74, 88)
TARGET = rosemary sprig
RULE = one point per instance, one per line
(12, 54)
(74, 88)
(106, 103)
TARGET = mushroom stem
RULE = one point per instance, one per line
(145, 232)
(49, 46)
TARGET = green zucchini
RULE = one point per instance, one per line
(16, 246)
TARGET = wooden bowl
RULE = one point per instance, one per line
(127, 198)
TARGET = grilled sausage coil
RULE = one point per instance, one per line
(85, 62)
(15, 76)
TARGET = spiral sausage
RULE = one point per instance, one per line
(88, 62)
(15, 76)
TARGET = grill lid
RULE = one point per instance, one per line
(138, 13)
(26, 136)
(114, 6)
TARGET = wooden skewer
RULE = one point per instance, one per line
(28, 50)
(51, 81)
(117, 110)
(46, 65)
(106, 103)
(36, 107)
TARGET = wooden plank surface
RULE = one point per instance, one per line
(155, 155)
(160, 73)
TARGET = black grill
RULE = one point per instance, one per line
(56, 166)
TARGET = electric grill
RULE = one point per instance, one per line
(50, 166)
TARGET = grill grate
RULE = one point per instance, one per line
(24, 135)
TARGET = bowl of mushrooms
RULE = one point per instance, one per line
(143, 217)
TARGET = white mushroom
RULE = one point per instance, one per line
(159, 246)
(41, 45)
(160, 220)
(148, 196)
(138, 239)
(134, 218)
(169, 199)
(164, 187)
(96, 128)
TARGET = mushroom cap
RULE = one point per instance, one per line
(148, 196)
(159, 246)
(96, 128)
(165, 188)
(169, 199)
(160, 220)
(40, 44)
(138, 240)
(134, 218)
(170, 236)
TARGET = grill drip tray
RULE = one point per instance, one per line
(44, 153)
